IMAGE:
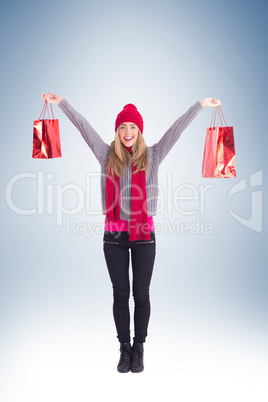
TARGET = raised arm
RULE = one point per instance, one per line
(92, 138)
(164, 145)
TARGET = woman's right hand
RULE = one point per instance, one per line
(52, 98)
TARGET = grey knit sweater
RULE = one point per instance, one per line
(157, 153)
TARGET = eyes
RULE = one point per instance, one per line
(123, 127)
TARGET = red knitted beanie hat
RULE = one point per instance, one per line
(129, 114)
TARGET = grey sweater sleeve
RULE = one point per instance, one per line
(164, 145)
(92, 138)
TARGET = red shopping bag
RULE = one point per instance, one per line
(219, 150)
(46, 136)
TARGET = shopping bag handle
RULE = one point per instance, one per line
(44, 111)
(214, 115)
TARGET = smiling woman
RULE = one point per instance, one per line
(128, 133)
(129, 199)
(128, 146)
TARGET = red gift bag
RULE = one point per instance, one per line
(46, 136)
(219, 151)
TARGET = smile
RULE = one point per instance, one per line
(128, 138)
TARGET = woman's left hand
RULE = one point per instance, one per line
(212, 102)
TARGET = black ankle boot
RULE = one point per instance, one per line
(125, 358)
(137, 358)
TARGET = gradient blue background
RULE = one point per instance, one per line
(208, 326)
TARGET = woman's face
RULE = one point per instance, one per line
(128, 133)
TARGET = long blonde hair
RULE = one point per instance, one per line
(119, 157)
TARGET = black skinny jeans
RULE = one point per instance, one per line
(116, 246)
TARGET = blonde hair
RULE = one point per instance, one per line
(119, 157)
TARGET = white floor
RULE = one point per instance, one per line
(70, 361)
